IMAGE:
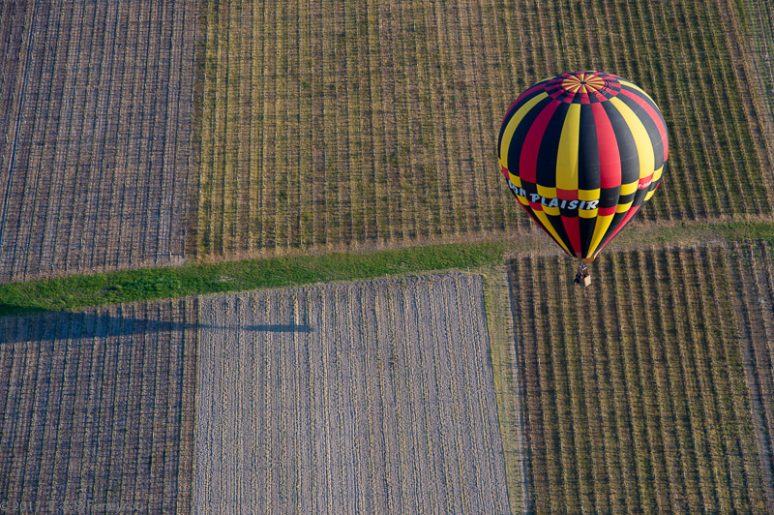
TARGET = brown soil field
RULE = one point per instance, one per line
(652, 389)
(96, 103)
(365, 397)
(376, 123)
(96, 410)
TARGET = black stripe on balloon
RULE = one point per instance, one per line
(569, 213)
(529, 187)
(623, 199)
(588, 151)
(517, 141)
(650, 127)
(627, 150)
(558, 225)
(639, 197)
(511, 112)
(586, 233)
(608, 197)
(549, 147)
(655, 184)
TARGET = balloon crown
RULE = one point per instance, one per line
(583, 87)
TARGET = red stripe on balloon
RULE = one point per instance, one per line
(531, 145)
(609, 158)
(606, 211)
(572, 228)
(566, 194)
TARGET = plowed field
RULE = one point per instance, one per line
(96, 410)
(365, 397)
(96, 103)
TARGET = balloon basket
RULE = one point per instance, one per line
(583, 276)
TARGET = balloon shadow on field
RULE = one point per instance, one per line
(37, 325)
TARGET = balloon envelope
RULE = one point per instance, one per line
(581, 152)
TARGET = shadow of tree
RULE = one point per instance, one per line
(44, 325)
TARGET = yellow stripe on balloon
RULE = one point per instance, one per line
(600, 228)
(540, 215)
(567, 156)
(649, 194)
(640, 135)
(515, 180)
(545, 191)
(589, 194)
(588, 213)
(623, 208)
(513, 123)
(629, 188)
(657, 174)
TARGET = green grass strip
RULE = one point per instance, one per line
(80, 291)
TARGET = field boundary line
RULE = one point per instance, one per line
(508, 387)
(83, 290)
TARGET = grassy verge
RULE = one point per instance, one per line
(81, 291)
(156, 283)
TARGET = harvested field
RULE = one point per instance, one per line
(376, 122)
(650, 390)
(96, 102)
(365, 397)
(97, 410)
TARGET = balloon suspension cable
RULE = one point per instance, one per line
(583, 275)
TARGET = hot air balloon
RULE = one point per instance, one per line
(581, 152)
